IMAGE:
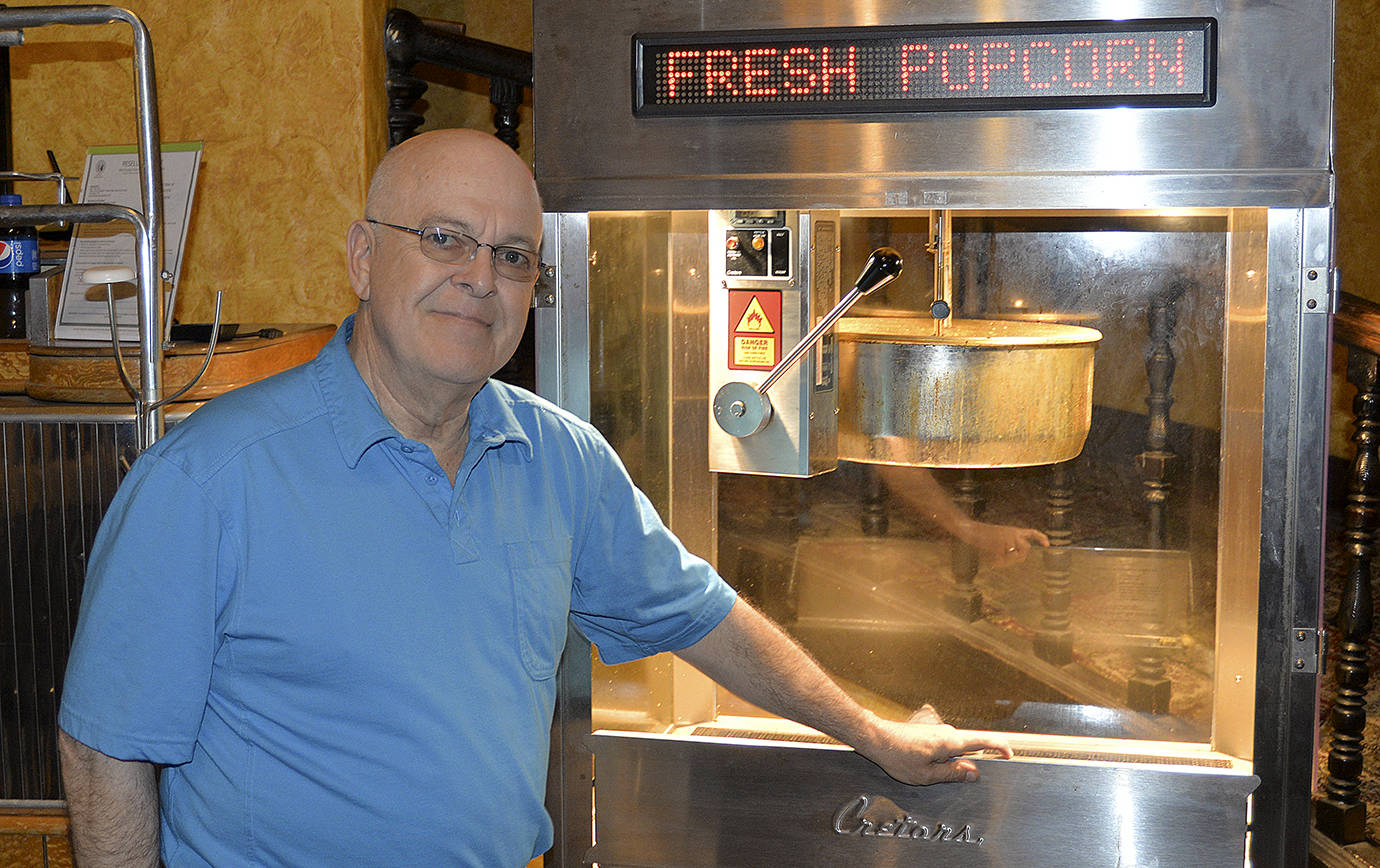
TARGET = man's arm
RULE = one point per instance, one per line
(114, 807)
(1000, 544)
(752, 657)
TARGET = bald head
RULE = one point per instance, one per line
(466, 157)
(432, 327)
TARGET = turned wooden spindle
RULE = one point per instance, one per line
(506, 96)
(963, 598)
(1148, 689)
(404, 91)
(1054, 640)
(1341, 814)
(873, 518)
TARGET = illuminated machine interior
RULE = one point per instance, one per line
(1108, 331)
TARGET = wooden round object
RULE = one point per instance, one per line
(86, 373)
(14, 366)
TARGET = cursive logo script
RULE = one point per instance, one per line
(884, 819)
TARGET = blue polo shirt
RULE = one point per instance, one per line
(342, 659)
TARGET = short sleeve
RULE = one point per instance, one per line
(140, 665)
(637, 590)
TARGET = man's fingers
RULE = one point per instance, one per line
(974, 742)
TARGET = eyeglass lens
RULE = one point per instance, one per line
(448, 246)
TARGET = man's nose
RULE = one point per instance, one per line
(477, 272)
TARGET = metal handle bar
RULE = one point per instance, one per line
(882, 268)
(147, 399)
(742, 409)
(148, 225)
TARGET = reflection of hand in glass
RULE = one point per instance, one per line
(999, 544)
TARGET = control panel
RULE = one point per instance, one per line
(772, 276)
(757, 244)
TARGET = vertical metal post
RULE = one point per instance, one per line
(149, 422)
(1297, 386)
(562, 362)
(151, 331)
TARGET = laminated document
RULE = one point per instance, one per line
(111, 177)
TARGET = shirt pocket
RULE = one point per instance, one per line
(540, 572)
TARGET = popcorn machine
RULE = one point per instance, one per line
(872, 297)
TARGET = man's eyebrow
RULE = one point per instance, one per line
(445, 222)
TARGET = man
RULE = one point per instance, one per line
(331, 604)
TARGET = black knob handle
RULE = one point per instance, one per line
(883, 266)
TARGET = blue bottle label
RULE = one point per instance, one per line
(18, 255)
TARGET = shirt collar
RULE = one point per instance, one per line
(492, 420)
(359, 423)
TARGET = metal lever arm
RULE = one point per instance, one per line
(742, 409)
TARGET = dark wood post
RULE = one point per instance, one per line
(963, 598)
(1341, 813)
(874, 519)
(409, 40)
(506, 96)
(1149, 688)
(1054, 641)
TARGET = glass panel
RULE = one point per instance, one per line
(902, 579)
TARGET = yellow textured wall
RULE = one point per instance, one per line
(1358, 186)
(287, 98)
(1358, 148)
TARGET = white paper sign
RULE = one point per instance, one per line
(111, 177)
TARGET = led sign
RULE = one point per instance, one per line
(859, 70)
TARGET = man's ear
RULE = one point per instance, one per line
(359, 247)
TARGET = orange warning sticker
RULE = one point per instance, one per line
(754, 329)
(754, 319)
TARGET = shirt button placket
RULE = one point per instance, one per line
(462, 542)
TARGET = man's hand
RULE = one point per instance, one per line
(923, 750)
(1000, 544)
(752, 657)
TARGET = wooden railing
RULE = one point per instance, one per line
(409, 41)
(1340, 811)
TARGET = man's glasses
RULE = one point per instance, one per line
(451, 247)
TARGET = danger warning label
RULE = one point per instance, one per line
(754, 324)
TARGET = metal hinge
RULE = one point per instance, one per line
(1304, 649)
(1320, 285)
(545, 295)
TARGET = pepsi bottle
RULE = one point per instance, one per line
(18, 263)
